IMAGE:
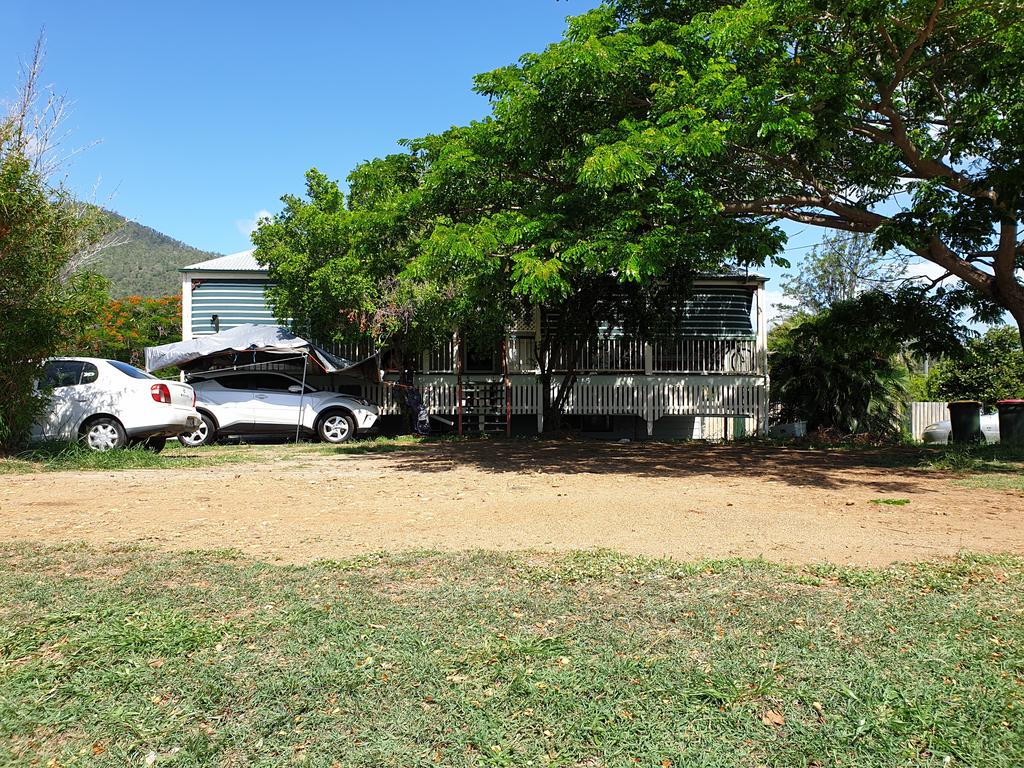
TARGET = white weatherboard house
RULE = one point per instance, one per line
(221, 293)
(707, 379)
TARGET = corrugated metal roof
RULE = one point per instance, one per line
(244, 261)
(732, 275)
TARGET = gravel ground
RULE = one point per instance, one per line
(684, 501)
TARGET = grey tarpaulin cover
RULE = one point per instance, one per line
(255, 339)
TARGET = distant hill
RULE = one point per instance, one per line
(147, 263)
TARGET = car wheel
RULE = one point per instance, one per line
(153, 444)
(104, 434)
(205, 434)
(336, 427)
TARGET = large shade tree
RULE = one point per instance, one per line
(470, 227)
(897, 118)
(662, 138)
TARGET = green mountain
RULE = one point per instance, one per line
(146, 262)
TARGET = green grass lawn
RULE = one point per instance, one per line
(136, 657)
(1012, 481)
(60, 457)
(57, 457)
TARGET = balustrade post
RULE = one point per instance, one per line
(648, 392)
(540, 406)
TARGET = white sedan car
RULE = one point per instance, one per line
(109, 404)
(939, 431)
(266, 403)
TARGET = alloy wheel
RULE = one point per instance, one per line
(336, 428)
(192, 439)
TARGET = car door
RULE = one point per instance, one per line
(990, 428)
(231, 400)
(273, 405)
(69, 399)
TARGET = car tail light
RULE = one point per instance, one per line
(160, 393)
(193, 398)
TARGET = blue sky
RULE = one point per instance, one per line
(205, 113)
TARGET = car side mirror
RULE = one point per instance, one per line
(295, 389)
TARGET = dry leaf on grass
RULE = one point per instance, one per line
(771, 717)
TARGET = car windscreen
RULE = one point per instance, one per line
(130, 370)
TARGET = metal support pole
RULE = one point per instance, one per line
(302, 396)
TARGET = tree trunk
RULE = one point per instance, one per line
(1007, 289)
(545, 404)
(1016, 310)
(553, 411)
(1009, 294)
(563, 392)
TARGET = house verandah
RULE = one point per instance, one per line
(669, 406)
(705, 379)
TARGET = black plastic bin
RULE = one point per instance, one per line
(965, 422)
(1011, 422)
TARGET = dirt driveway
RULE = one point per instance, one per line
(684, 501)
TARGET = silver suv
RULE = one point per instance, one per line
(267, 403)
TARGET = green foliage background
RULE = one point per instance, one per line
(41, 229)
(842, 370)
(125, 327)
(147, 264)
(991, 369)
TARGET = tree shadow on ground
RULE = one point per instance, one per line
(885, 470)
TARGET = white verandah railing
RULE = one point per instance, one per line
(707, 354)
(623, 354)
(613, 354)
(647, 397)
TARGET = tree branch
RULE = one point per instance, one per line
(938, 252)
(898, 135)
(760, 208)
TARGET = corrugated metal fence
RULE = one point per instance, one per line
(924, 413)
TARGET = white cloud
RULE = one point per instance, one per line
(248, 226)
(772, 302)
(927, 270)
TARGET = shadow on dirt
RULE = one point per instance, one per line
(830, 469)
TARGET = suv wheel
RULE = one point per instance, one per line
(205, 433)
(336, 427)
